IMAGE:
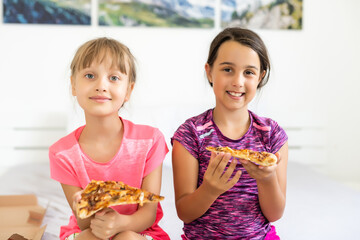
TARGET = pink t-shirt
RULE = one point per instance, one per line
(142, 150)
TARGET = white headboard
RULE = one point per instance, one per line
(307, 144)
(26, 137)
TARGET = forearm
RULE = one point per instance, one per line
(272, 199)
(194, 205)
(142, 219)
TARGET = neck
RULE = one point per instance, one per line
(102, 127)
(231, 119)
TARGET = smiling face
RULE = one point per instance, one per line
(235, 75)
(101, 88)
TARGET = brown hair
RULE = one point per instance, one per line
(247, 38)
(97, 49)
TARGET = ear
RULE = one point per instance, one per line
(208, 73)
(129, 91)
(262, 76)
(73, 91)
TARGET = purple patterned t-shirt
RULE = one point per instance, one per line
(236, 214)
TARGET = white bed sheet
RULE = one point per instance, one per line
(317, 206)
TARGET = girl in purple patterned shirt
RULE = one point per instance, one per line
(219, 197)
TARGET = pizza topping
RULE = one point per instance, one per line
(259, 158)
(102, 194)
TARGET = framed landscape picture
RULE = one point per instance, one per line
(262, 14)
(47, 12)
(157, 13)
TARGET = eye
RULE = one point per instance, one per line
(248, 72)
(114, 78)
(228, 70)
(89, 76)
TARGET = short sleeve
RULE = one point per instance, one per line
(157, 152)
(186, 135)
(278, 137)
(62, 171)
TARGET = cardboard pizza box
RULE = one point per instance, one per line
(21, 214)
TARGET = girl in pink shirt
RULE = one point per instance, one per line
(108, 147)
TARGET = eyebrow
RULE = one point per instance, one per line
(230, 63)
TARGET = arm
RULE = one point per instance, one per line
(272, 190)
(192, 202)
(271, 182)
(70, 193)
(108, 222)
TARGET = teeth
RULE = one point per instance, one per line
(235, 94)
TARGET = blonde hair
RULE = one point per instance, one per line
(97, 49)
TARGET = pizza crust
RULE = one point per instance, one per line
(261, 158)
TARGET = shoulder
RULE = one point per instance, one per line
(200, 121)
(190, 133)
(140, 131)
(263, 123)
(269, 131)
(65, 143)
(192, 129)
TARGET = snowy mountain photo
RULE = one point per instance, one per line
(157, 13)
(266, 14)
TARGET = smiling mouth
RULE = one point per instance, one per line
(235, 94)
(100, 99)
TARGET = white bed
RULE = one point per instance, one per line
(317, 207)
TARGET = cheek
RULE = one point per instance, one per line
(253, 83)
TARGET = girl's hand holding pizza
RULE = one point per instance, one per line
(216, 178)
(107, 223)
(76, 198)
(259, 172)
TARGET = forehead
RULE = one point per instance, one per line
(110, 59)
(234, 52)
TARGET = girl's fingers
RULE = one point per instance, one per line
(95, 223)
(227, 174)
(243, 161)
(97, 232)
(249, 166)
(100, 214)
(76, 199)
(214, 161)
(219, 171)
(278, 157)
(77, 196)
(234, 180)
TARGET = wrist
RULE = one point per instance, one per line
(124, 223)
(207, 192)
(267, 180)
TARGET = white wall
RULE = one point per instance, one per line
(314, 81)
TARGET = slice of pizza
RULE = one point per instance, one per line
(102, 194)
(261, 158)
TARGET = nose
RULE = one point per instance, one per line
(100, 90)
(239, 80)
(101, 85)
